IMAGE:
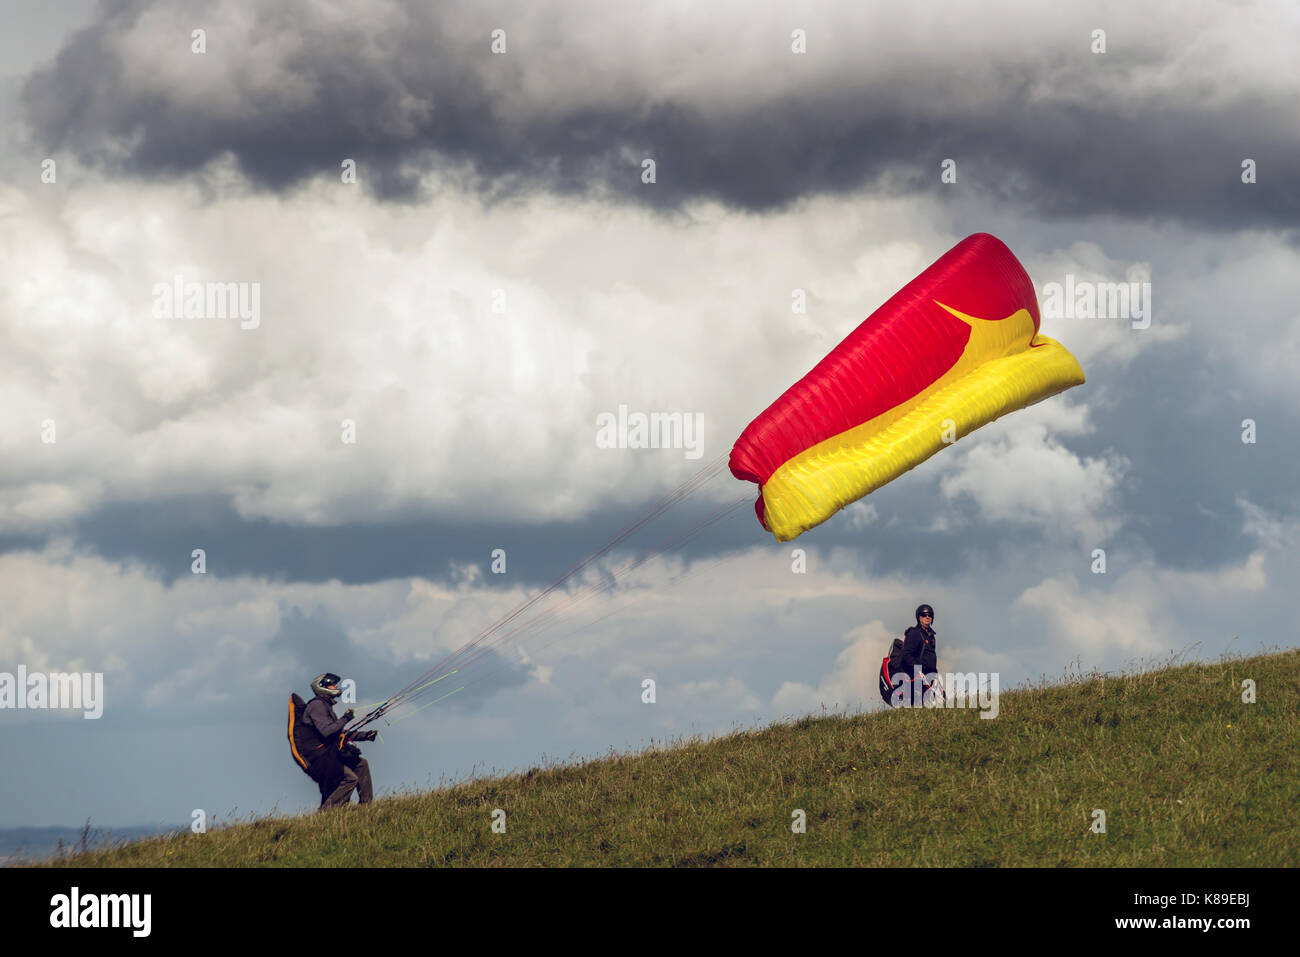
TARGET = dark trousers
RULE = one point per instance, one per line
(356, 774)
(337, 777)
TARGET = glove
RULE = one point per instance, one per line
(365, 736)
(349, 715)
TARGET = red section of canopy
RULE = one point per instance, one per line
(898, 351)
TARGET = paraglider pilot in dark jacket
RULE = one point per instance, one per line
(918, 644)
(917, 650)
(337, 770)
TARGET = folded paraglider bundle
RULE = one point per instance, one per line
(953, 350)
(896, 685)
(304, 743)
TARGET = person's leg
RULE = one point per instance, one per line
(365, 794)
(343, 792)
(327, 772)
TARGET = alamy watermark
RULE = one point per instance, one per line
(968, 690)
(653, 430)
(1075, 299)
(56, 691)
(76, 909)
(179, 299)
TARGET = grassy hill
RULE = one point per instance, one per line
(1187, 775)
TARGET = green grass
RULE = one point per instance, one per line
(1187, 774)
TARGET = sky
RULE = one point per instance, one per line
(500, 274)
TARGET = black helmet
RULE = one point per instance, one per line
(924, 610)
(321, 685)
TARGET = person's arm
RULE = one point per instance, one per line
(930, 658)
(318, 714)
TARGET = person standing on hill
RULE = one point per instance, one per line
(899, 674)
(337, 768)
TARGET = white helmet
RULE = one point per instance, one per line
(326, 685)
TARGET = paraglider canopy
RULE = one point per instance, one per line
(954, 349)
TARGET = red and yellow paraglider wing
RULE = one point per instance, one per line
(953, 350)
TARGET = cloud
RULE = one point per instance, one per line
(1268, 530)
(851, 681)
(1247, 317)
(727, 695)
(1112, 340)
(1132, 615)
(213, 640)
(1144, 610)
(861, 514)
(1016, 472)
(715, 97)
(458, 408)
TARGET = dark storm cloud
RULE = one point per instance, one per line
(406, 91)
(161, 534)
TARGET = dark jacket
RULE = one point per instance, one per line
(918, 649)
(319, 717)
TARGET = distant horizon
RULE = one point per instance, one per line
(15, 841)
